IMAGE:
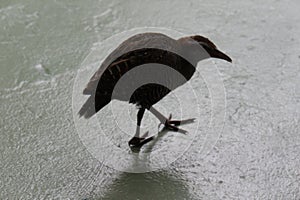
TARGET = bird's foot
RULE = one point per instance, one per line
(172, 124)
(137, 142)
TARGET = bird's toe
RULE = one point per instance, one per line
(135, 141)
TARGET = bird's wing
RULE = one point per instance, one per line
(101, 88)
(112, 74)
(130, 51)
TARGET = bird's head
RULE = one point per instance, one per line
(201, 47)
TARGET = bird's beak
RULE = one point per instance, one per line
(215, 53)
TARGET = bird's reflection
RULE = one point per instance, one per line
(152, 185)
(164, 184)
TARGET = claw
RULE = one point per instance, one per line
(187, 121)
(175, 128)
(178, 122)
(182, 131)
(137, 142)
(172, 124)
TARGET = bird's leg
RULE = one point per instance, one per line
(137, 140)
(170, 124)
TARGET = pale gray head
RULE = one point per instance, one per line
(198, 48)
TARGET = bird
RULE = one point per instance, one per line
(151, 48)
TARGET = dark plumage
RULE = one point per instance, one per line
(181, 55)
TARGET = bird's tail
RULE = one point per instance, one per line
(89, 109)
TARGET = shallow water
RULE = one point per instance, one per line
(257, 154)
